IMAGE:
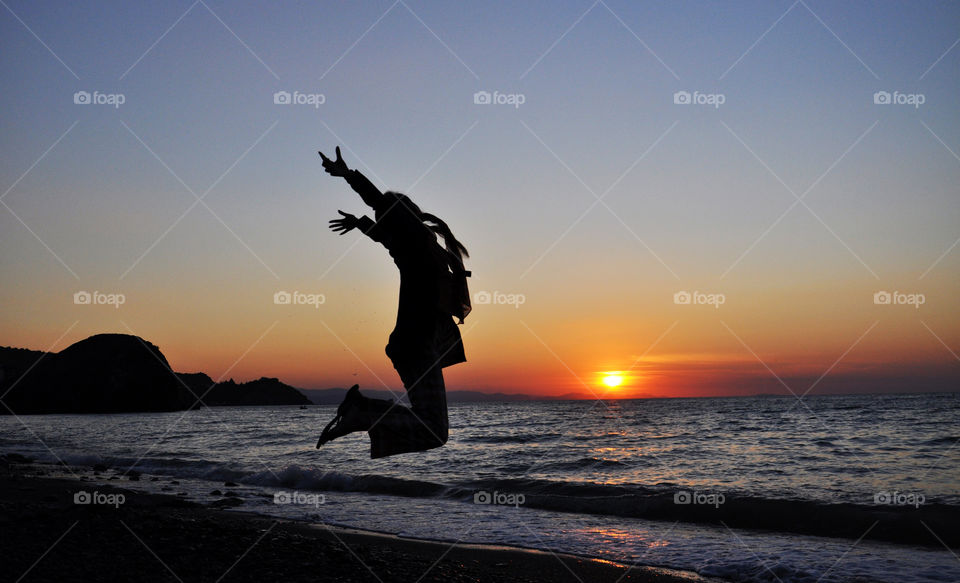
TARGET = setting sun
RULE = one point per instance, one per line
(612, 379)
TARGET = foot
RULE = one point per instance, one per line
(350, 417)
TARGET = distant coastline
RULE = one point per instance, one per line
(120, 373)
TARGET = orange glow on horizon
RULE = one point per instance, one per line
(585, 354)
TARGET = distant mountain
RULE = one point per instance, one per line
(334, 396)
(198, 382)
(263, 391)
(116, 373)
(105, 373)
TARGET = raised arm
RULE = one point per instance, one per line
(370, 194)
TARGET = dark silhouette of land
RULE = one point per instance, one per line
(263, 391)
(119, 373)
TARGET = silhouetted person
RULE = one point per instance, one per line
(425, 339)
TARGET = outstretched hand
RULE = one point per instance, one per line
(345, 224)
(334, 167)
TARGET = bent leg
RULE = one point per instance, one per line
(422, 426)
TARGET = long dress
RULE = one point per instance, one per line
(425, 338)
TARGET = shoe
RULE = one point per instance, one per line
(329, 432)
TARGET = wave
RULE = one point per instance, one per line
(674, 436)
(586, 463)
(948, 440)
(662, 502)
(518, 438)
(313, 479)
(901, 524)
(170, 466)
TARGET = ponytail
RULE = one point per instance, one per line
(454, 247)
(459, 300)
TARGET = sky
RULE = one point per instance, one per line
(701, 198)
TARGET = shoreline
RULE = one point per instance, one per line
(160, 537)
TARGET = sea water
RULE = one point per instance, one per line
(565, 476)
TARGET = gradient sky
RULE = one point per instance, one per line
(693, 197)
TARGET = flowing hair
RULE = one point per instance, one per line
(455, 248)
(457, 299)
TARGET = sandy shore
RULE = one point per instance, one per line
(48, 537)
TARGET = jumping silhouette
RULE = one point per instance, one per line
(425, 340)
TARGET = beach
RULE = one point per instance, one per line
(152, 537)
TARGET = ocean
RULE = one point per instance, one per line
(746, 489)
